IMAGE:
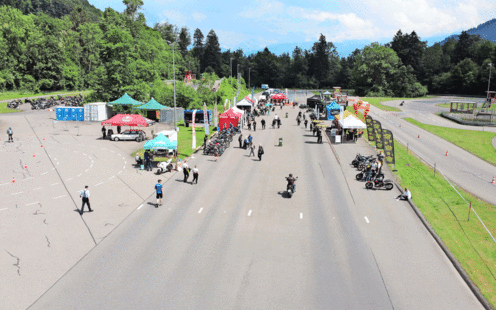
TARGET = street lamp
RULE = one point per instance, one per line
(174, 70)
(489, 82)
(230, 77)
(237, 72)
(249, 78)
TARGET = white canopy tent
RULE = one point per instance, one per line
(238, 110)
(244, 103)
(351, 122)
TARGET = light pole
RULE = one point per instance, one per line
(237, 73)
(230, 77)
(174, 70)
(249, 78)
(489, 82)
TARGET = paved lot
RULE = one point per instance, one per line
(235, 241)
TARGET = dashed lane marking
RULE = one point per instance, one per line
(124, 167)
(4, 184)
(120, 172)
(28, 178)
(99, 184)
(33, 203)
(37, 188)
(86, 170)
(201, 209)
(17, 193)
(140, 206)
(111, 177)
(54, 184)
(59, 197)
(79, 174)
(366, 219)
(3, 209)
(249, 213)
(44, 173)
(301, 215)
(68, 179)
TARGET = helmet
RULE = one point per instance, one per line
(290, 175)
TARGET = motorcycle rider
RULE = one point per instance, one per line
(291, 181)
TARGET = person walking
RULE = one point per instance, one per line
(10, 133)
(205, 139)
(250, 139)
(252, 150)
(158, 189)
(186, 171)
(195, 175)
(104, 132)
(254, 125)
(260, 152)
(85, 195)
(240, 140)
(263, 123)
(306, 122)
(319, 136)
(249, 125)
(150, 162)
(118, 129)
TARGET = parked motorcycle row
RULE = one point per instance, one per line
(220, 143)
(370, 173)
(46, 103)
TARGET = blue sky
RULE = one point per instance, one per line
(349, 24)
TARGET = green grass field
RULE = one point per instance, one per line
(4, 109)
(16, 95)
(475, 142)
(447, 213)
(447, 105)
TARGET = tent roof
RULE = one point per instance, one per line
(160, 142)
(236, 110)
(127, 120)
(327, 93)
(244, 103)
(279, 96)
(345, 114)
(152, 105)
(230, 114)
(333, 106)
(351, 122)
(125, 100)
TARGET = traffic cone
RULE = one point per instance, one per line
(42, 145)
(446, 153)
(25, 166)
(34, 155)
(43, 138)
(13, 180)
(493, 181)
(418, 136)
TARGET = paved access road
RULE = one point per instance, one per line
(234, 241)
(461, 167)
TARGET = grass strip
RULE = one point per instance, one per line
(473, 141)
(4, 109)
(447, 213)
(16, 95)
(448, 105)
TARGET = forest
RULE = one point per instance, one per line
(74, 47)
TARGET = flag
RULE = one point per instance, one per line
(216, 115)
(205, 119)
(225, 103)
(229, 104)
(253, 94)
(193, 146)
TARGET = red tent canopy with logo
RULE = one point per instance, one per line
(126, 120)
(279, 97)
(229, 117)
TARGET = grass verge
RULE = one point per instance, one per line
(475, 142)
(376, 102)
(16, 95)
(447, 213)
(4, 109)
(448, 105)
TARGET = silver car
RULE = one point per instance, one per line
(132, 134)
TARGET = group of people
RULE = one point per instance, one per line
(147, 160)
(186, 172)
(109, 132)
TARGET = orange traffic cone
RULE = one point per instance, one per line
(446, 153)
(13, 180)
(34, 155)
(25, 166)
(493, 181)
(43, 138)
(418, 136)
(42, 145)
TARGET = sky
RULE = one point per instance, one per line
(349, 24)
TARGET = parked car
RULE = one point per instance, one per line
(131, 134)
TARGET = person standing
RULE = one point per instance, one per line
(252, 150)
(146, 158)
(263, 123)
(319, 136)
(240, 140)
(104, 132)
(306, 122)
(254, 125)
(195, 175)
(85, 195)
(260, 152)
(158, 189)
(10, 133)
(118, 129)
(205, 139)
(249, 124)
(150, 162)
(186, 171)
(355, 135)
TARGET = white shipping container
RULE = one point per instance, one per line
(96, 111)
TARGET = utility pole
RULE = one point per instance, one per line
(249, 78)
(489, 82)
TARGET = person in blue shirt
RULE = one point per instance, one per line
(158, 189)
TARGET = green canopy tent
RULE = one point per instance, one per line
(151, 108)
(125, 100)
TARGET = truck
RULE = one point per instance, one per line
(265, 86)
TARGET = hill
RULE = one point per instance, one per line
(486, 31)
(53, 8)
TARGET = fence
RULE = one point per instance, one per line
(167, 116)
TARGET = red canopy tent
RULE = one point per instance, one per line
(126, 120)
(229, 117)
(279, 97)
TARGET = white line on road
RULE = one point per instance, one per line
(3, 209)
(85, 154)
(91, 165)
(367, 219)
(57, 163)
(59, 197)
(17, 193)
(125, 162)
(99, 184)
(111, 177)
(44, 173)
(249, 213)
(301, 215)
(28, 178)
(37, 188)
(33, 203)
(201, 209)
(112, 151)
(69, 179)
(86, 170)
(79, 174)
(54, 184)
(4, 184)
(140, 207)
(124, 167)
(120, 172)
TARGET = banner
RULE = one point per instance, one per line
(253, 94)
(194, 131)
(205, 119)
(225, 103)
(216, 116)
(366, 110)
(388, 146)
(229, 104)
(237, 95)
(370, 127)
(341, 112)
(379, 137)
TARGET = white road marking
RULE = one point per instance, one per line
(249, 213)
(59, 197)
(120, 172)
(125, 162)
(44, 173)
(79, 174)
(85, 154)
(119, 155)
(111, 177)
(86, 170)
(3, 209)
(201, 209)
(28, 178)
(111, 151)
(69, 179)
(140, 207)
(99, 184)
(54, 184)
(33, 203)
(4, 184)
(301, 215)
(91, 165)
(367, 219)
(17, 193)
(58, 163)
(37, 188)
(124, 167)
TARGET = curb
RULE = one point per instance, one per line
(450, 256)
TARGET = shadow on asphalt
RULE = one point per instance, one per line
(312, 142)
(284, 194)
(153, 204)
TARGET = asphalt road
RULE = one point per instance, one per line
(461, 167)
(235, 241)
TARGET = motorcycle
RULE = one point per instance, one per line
(362, 175)
(291, 189)
(401, 104)
(165, 166)
(379, 182)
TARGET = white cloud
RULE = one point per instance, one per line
(175, 17)
(229, 39)
(198, 17)
(263, 8)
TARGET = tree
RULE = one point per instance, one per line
(132, 8)
(198, 48)
(409, 49)
(324, 61)
(184, 40)
(462, 47)
(211, 57)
